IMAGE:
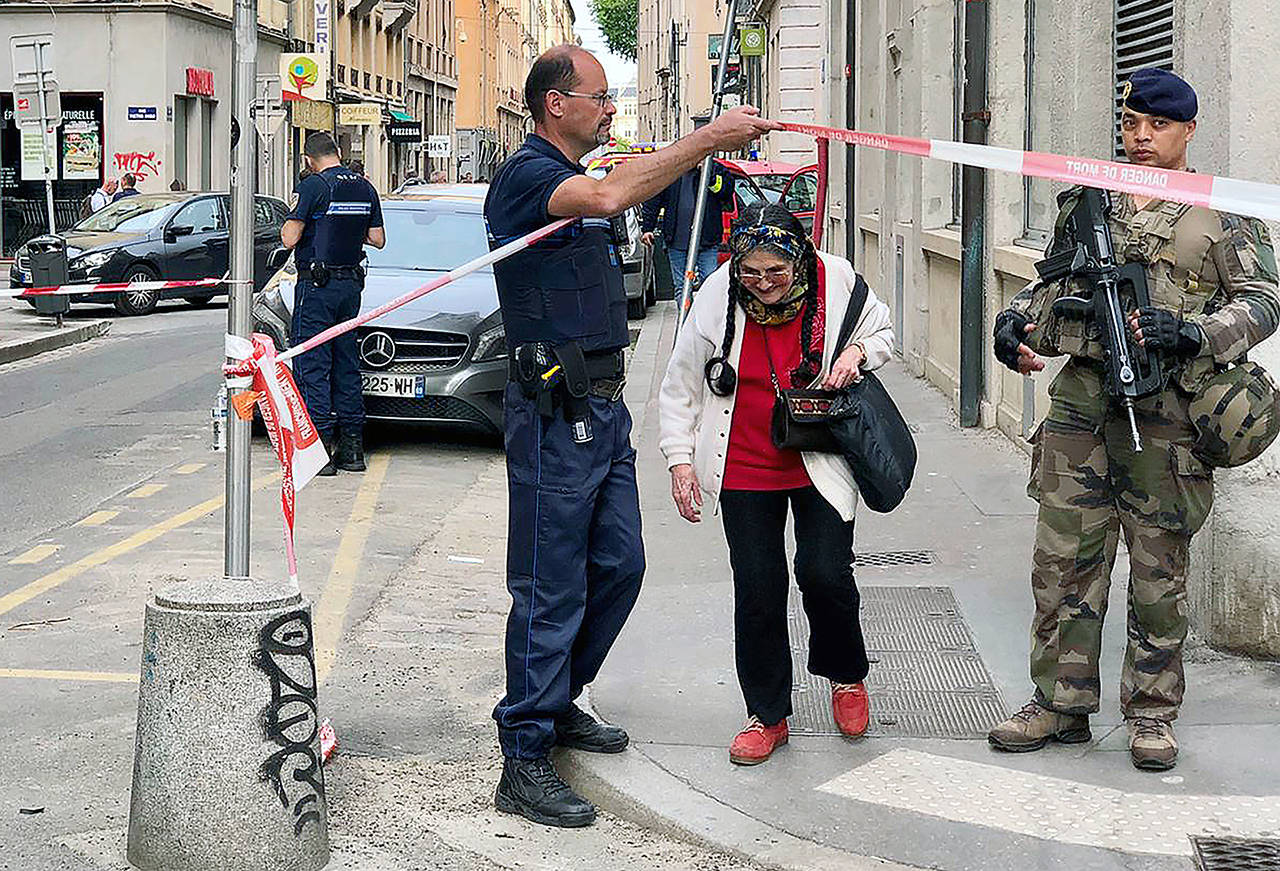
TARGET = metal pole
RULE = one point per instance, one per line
(973, 214)
(244, 78)
(700, 208)
(820, 196)
(41, 69)
(850, 121)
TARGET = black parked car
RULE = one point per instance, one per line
(160, 237)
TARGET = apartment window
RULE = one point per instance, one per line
(957, 103)
(1038, 205)
(399, 89)
(1143, 38)
(419, 54)
(342, 74)
(378, 85)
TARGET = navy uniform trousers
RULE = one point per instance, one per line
(328, 376)
(574, 561)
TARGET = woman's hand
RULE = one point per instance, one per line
(686, 492)
(846, 369)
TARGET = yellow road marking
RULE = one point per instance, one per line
(98, 518)
(35, 555)
(120, 548)
(146, 490)
(52, 674)
(336, 597)
(189, 468)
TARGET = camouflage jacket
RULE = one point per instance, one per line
(1214, 268)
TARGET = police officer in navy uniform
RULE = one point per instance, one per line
(574, 555)
(336, 215)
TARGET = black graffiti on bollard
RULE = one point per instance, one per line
(287, 657)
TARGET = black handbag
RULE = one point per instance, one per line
(860, 421)
(874, 438)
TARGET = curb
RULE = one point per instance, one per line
(633, 786)
(20, 349)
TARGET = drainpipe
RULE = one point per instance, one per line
(820, 199)
(973, 213)
(850, 121)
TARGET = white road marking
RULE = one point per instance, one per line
(1050, 807)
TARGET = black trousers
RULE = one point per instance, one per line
(755, 526)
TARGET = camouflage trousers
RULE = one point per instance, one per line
(1092, 487)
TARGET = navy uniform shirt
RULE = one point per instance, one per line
(517, 200)
(336, 193)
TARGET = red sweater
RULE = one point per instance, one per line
(753, 462)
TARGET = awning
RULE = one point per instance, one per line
(400, 116)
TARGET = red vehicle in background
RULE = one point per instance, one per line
(771, 176)
(800, 195)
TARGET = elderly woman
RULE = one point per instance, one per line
(771, 316)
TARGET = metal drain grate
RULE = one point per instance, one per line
(1236, 854)
(895, 558)
(927, 679)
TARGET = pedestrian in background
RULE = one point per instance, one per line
(715, 408)
(336, 215)
(128, 187)
(574, 554)
(676, 204)
(102, 197)
(439, 177)
(1214, 295)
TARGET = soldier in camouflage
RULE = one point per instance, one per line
(1214, 295)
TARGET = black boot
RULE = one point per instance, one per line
(350, 456)
(533, 789)
(578, 729)
(330, 446)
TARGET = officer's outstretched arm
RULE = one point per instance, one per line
(641, 178)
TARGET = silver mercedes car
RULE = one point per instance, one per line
(443, 357)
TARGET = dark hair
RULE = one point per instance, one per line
(719, 373)
(320, 145)
(356, 166)
(128, 180)
(552, 71)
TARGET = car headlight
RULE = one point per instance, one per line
(492, 344)
(92, 260)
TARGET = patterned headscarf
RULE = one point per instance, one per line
(748, 238)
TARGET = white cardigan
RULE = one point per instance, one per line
(695, 423)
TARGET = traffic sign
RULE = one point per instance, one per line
(32, 56)
(269, 109)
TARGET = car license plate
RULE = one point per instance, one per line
(385, 384)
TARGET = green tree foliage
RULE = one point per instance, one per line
(619, 20)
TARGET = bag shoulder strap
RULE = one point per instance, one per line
(857, 302)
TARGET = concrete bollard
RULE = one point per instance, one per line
(226, 768)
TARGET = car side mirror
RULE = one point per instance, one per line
(278, 257)
(176, 230)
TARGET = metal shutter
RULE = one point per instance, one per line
(1143, 38)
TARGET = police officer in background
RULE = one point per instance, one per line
(1213, 286)
(574, 555)
(336, 215)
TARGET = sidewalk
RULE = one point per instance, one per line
(946, 608)
(24, 334)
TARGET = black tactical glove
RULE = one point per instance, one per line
(1167, 333)
(1010, 332)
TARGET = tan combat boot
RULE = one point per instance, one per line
(1035, 726)
(1152, 746)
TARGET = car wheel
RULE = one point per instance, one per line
(199, 301)
(635, 308)
(138, 302)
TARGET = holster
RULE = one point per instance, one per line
(319, 273)
(577, 381)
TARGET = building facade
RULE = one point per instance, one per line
(788, 83)
(431, 86)
(673, 61)
(153, 99)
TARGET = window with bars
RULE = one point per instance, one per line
(1143, 38)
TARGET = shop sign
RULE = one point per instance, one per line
(199, 82)
(313, 115)
(142, 113)
(752, 40)
(405, 131)
(304, 76)
(440, 146)
(322, 27)
(359, 114)
(81, 151)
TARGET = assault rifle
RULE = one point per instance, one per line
(1115, 291)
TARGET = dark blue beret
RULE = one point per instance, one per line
(1160, 92)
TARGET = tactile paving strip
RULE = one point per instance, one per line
(1236, 854)
(927, 679)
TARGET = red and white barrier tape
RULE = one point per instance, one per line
(293, 435)
(1253, 198)
(117, 287)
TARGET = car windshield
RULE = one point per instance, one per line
(775, 182)
(136, 214)
(748, 194)
(431, 236)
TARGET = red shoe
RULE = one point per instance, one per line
(756, 742)
(852, 708)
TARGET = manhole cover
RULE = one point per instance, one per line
(894, 558)
(1236, 854)
(927, 679)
